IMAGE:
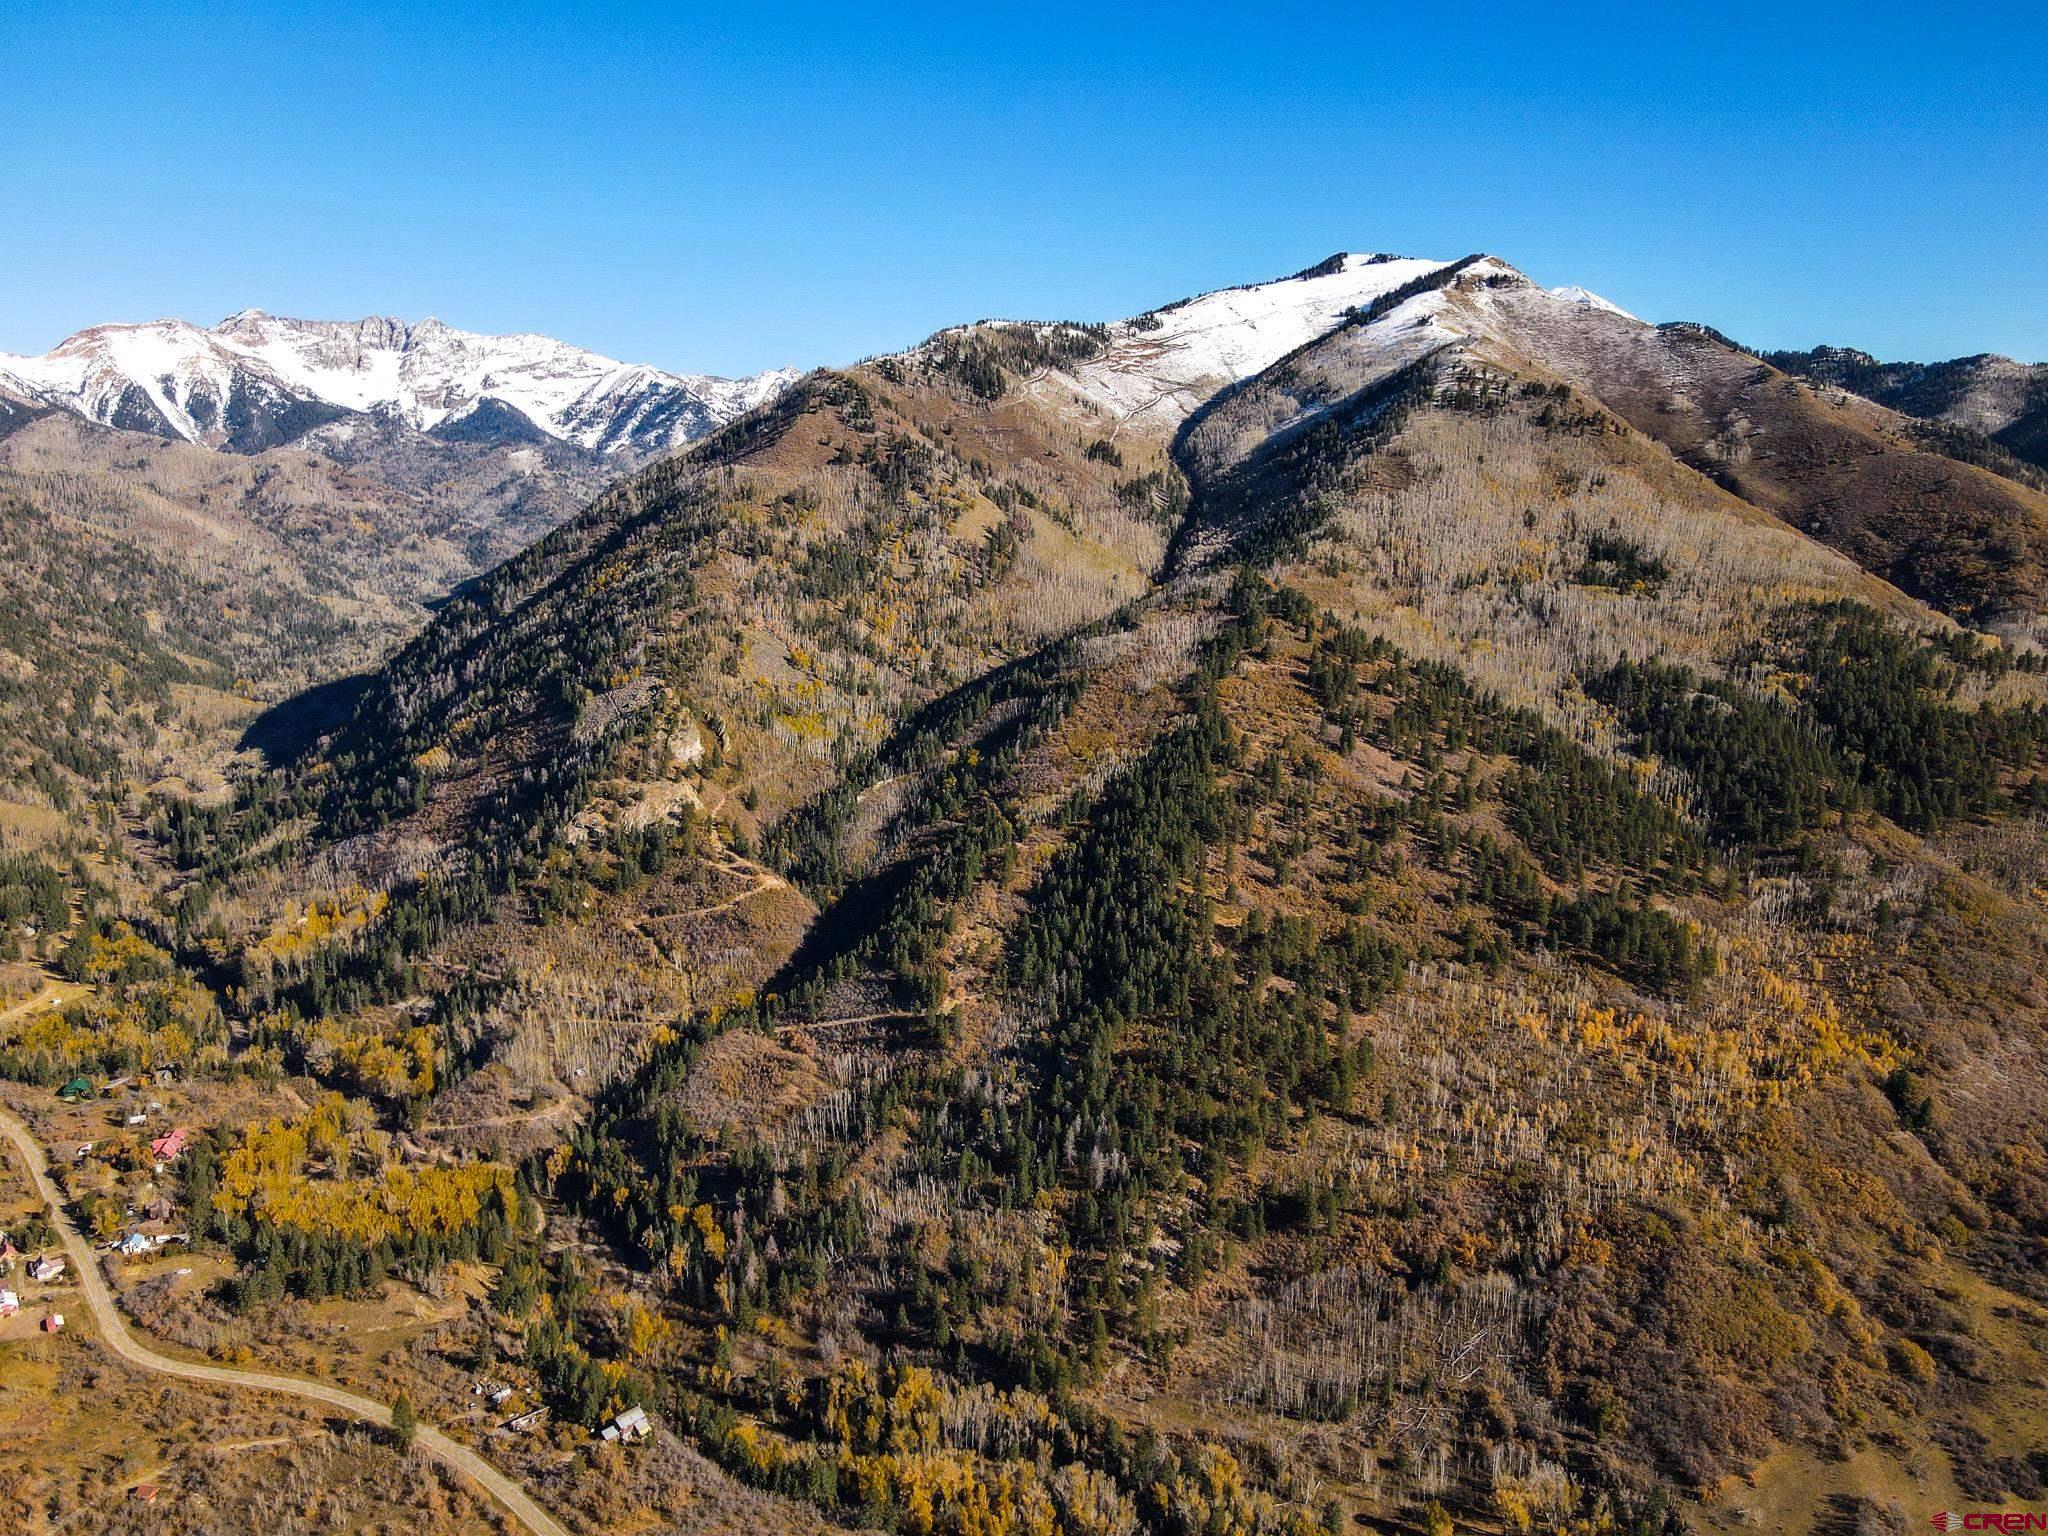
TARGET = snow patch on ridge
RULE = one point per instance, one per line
(1573, 294)
(1159, 367)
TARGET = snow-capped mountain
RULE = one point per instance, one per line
(1156, 369)
(257, 380)
(1470, 307)
(1167, 361)
(1462, 324)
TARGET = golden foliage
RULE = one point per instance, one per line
(306, 929)
(397, 1066)
(265, 1174)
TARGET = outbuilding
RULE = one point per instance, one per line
(631, 1426)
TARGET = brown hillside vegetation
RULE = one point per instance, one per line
(160, 595)
(1843, 470)
(1984, 409)
(1409, 953)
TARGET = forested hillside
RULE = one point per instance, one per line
(1420, 936)
(161, 597)
(128, 659)
(1985, 409)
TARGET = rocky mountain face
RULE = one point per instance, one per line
(257, 380)
(1391, 897)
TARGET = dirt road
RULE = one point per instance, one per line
(113, 1329)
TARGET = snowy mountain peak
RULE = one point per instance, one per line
(258, 379)
(1160, 366)
(1573, 294)
(1478, 301)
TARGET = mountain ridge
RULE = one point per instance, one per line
(1984, 405)
(1416, 935)
(1234, 961)
(257, 380)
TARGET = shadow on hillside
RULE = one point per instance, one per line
(288, 730)
(461, 589)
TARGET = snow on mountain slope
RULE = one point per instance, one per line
(144, 377)
(1574, 294)
(1484, 302)
(1478, 307)
(1159, 367)
(258, 379)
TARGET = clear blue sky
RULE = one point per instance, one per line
(701, 188)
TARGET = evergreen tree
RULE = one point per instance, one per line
(405, 1422)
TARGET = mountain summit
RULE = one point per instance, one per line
(1152, 371)
(257, 380)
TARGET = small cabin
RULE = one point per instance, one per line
(630, 1427)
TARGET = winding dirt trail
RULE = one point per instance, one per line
(764, 882)
(53, 994)
(559, 1109)
(113, 1329)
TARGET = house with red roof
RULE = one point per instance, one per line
(170, 1144)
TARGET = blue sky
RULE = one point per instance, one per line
(702, 189)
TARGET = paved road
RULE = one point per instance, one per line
(106, 1314)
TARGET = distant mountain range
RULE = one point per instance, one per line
(257, 381)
